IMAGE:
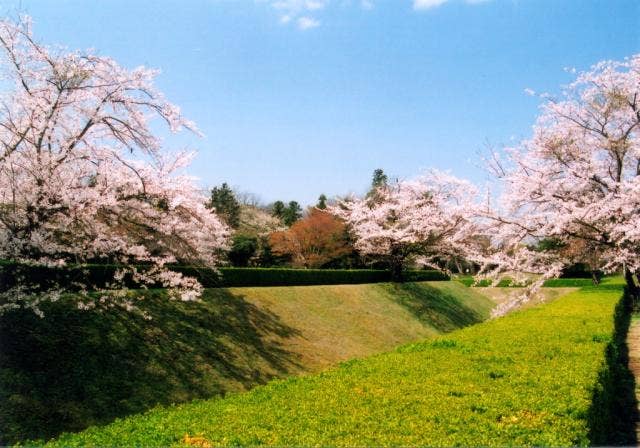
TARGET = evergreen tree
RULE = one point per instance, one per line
(322, 202)
(244, 247)
(225, 204)
(378, 180)
(278, 209)
(292, 213)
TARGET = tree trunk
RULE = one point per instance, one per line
(595, 278)
(396, 262)
(396, 270)
(636, 297)
(632, 288)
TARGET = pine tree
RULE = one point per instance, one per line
(292, 213)
(322, 202)
(278, 209)
(378, 180)
(225, 204)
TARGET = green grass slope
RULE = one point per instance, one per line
(74, 368)
(541, 376)
(340, 322)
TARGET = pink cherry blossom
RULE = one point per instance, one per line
(83, 178)
(424, 218)
(577, 180)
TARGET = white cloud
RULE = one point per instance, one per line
(298, 6)
(312, 5)
(366, 4)
(304, 13)
(427, 4)
(298, 10)
(421, 5)
(306, 23)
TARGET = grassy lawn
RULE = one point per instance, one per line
(500, 295)
(542, 376)
(75, 369)
(469, 280)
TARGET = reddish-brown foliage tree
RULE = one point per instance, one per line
(313, 241)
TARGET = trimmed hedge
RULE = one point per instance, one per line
(46, 277)
(292, 277)
(282, 277)
(424, 276)
(99, 275)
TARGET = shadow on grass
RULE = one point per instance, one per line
(74, 368)
(436, 307)
(614, 408)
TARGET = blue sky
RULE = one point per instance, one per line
(302, 97)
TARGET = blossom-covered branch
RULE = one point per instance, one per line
(576, 182)
(429, 218)
(83, 178)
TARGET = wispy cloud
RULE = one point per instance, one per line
(304, 13)
(366, 4)
(421, 5)
(306, 23)
(427, 4)
(299, 12)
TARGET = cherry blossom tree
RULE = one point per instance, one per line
(84, 179)
(577, 179)
(426, 218)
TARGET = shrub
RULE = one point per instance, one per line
(579, 270)
(242, 250)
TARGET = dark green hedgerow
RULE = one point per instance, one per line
(544, 376)
(99, 275)
(296, 277)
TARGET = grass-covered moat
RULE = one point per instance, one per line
(75, 369)
(551, 375)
